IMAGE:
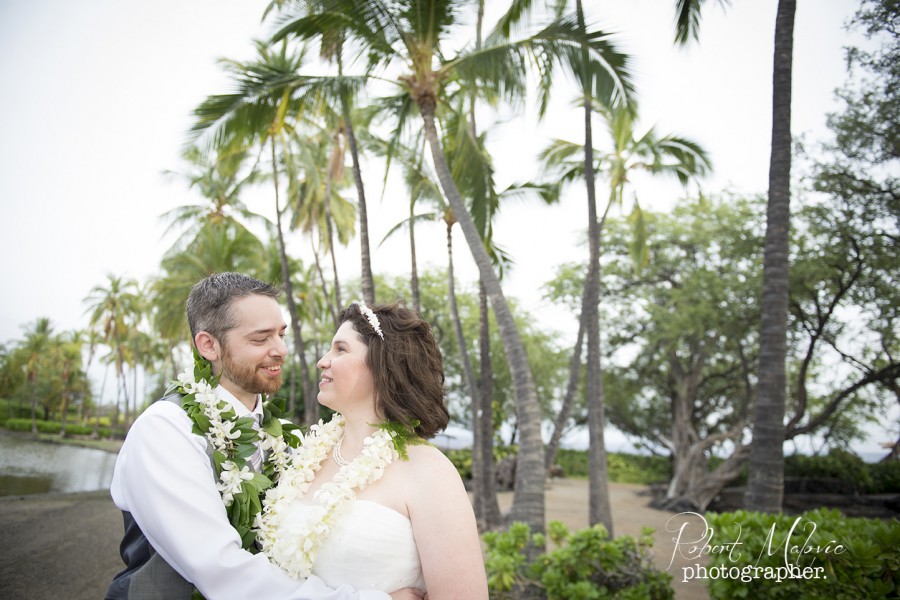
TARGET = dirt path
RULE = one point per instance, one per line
(66, 545)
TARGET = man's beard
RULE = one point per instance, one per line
(247, 378)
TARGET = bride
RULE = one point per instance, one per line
(365, 502)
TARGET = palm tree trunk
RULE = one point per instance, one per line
(329, 230)
(600, 510)
(469, 374)
(765, 485)
(64, 409)
(414, 269)
(559, 424)
(485, 480)
(297, 335)
(484, 483)
(528, 500)
(34, 429)
(368, 282)
(457, 323)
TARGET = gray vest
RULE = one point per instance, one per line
(146, 575)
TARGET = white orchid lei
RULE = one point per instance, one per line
(234, 440)
(295, 548)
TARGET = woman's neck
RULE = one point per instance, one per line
(357, 427)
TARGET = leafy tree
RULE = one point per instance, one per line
(855, 226)
(684, 339)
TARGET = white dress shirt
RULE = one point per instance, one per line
(164, 478)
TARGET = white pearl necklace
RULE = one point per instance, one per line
(336, 453)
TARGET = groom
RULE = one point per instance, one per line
(177, 533)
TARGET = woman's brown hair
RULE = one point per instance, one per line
(406, 366)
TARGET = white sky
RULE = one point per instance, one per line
(98, 94)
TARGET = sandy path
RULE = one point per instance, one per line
(66, 545)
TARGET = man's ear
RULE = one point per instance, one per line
(207, 345)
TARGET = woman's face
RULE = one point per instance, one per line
(346, 382)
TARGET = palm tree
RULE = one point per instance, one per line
(316, 177)
(411, 33)
(29, 355)
(670, 154)
(765, 485)
(219, 180)
(114, 309)
(68, 354)
(257, 113)
(217, 247)
(271, 100)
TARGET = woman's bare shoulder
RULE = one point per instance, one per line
(427, 461)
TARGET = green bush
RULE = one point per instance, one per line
(885, 477)
(831, 556)
(14, 410)
(622, 467)
(638, 468)
(837, 464)
(55, 427)
(585, 565)
(462, 458)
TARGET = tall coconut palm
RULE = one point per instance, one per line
(670, 154)
(268, 96)
(317, 207)
(591, 71)
(114, 309)
(411, 34)
(30, 353)
(765, 485)
(217, 247)
(68, 354)
(220, 180)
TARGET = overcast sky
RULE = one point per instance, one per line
(98, 95)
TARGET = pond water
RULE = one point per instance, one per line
(30, 467)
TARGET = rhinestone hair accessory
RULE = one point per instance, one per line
(371, 317)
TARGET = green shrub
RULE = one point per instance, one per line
(584, 565)
(837, 464)
(14, 410)
(462, 458)
(622, 467)
(839, 558)
(25, 425)
(638, 468)
(55, 427)
(885, 477)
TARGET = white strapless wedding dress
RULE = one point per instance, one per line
(371, 548)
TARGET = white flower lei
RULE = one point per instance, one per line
(222, 434)
(233, 440)
(295, 550)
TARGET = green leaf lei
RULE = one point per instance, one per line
(234, 440)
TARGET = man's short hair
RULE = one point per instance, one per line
(210, 301)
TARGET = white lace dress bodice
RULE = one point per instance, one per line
(370, 548)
